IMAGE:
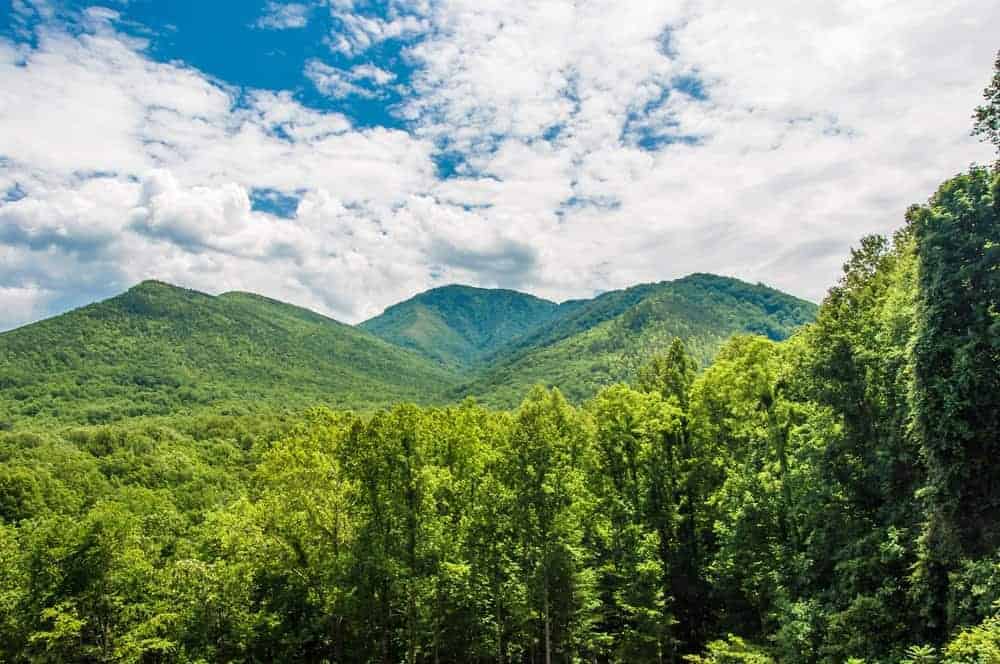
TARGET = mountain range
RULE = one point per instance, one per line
(160, 349)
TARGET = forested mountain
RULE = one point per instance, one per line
(459, 325)
(593, 343)
(160, 349)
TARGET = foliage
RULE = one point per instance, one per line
(956, 381)
(975, 645)
(460, 326)
(158, 350)
(732, 650)
(830, 497)
(987, 116)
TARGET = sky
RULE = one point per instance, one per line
(344, 155)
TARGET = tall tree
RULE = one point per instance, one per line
(987, 116)
(636, 480)
(956, 372)
(549, 455)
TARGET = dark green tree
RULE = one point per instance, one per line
(987, 116)
(956, 375)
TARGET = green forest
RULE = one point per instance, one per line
(711, 473)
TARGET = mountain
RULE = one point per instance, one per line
(605, 340)
(161, 349)
(461, 326)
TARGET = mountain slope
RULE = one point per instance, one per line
(459, 326)
(159, 349)
(575, 316)
(607, 339)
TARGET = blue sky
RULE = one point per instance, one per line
(345, 154)
(250, 44)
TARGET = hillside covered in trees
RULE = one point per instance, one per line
(830, 497)
(159, 349)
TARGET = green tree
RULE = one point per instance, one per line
(987, 116)
(546, 469)
(956, 377)
(636, 482)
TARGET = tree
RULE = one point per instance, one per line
(305, 513)
(546, 470)
(670, 374)
(956, 376)
(636, 483)
(987, 116)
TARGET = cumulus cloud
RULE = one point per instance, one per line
(369, 72)
(334, 82)
(81, 220)
(358, 27)
(710, 135)
(592, 145)
(340, 83)
(284, 16)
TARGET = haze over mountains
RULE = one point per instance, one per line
(159, 349)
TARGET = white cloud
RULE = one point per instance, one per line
(817, 125)
(341, 83)
(356, 32)
(284, 16)
(82, 219)
(369, 72)
(334, 82)
(20, 304)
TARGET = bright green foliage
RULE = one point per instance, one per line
(975, 645)
(670, 374)
(546, 469)
(921, 655)
(158, 349)
(702, 310)
(639, 447)
(732, 650)
(461, 326)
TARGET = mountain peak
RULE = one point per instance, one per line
(158, 349)
(153, 285)
(458, 325)
(464, 290)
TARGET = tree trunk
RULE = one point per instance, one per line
(548, 623)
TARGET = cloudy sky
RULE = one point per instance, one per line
(344, 155)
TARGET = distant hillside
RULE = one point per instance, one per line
(460, 326)
(574, 316)
(607, 339)
(162, 349)
(158, 349)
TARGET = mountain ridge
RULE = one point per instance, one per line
(459, 325)
(607, 339)
(158, 348)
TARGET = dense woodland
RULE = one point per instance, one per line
(834, 497)
(162, 350)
